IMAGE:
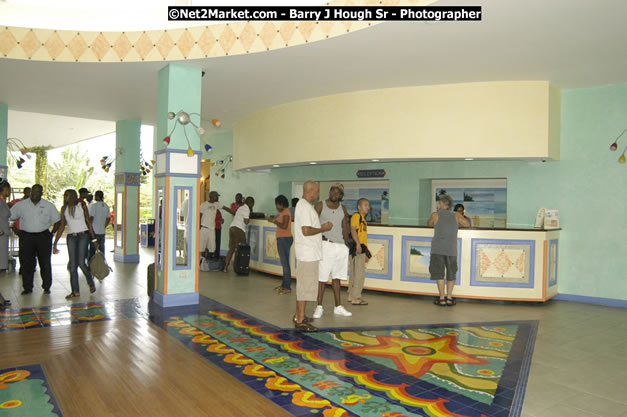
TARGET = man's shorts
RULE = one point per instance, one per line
(307, 281)
(440, 263)
(236, 236)
(334, 261)
(207, 239)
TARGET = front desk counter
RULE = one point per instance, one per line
(496, 264)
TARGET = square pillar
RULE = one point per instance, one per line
(126, 199)
(177, 175)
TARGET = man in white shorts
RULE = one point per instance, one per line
(334, 261)
(308, 250)
(208, 211)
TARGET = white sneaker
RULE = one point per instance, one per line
(318, 313)
(341, 311)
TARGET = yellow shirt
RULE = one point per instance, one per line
(359, 223)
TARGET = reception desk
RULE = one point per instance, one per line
(497, 264)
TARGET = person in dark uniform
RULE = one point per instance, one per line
(36, 216)
(444, 248)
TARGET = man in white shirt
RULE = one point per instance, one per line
(308, 248)
(100, 217)
(238, 229)
(208, 211)
(36, 215)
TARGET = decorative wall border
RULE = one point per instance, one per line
(389, 255)
(234, 38)
(127, 178)
(263, 248)
(408, 278)
(531, 262)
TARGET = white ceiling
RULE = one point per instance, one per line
(572, 43)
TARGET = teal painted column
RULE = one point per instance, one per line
(4, 137)
(126, 199)
(177, 174)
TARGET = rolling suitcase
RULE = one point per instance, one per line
(242, 259)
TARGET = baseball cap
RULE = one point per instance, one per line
(214, 193)
(83, 190)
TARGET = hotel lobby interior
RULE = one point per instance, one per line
(521, 116)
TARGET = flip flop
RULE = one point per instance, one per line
(450, 301)
(360, 303)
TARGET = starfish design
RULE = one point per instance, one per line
(417, 356)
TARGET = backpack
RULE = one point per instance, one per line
(351, 242)
(98, 266)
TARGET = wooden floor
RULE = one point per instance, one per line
(130, 368)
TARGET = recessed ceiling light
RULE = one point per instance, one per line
(248, 169)
(375, 160)
(469, 159)
(312, 163)
(276, 165)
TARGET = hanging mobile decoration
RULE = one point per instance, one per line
(222, 165)
(183, 118)
(614, 147)
(15, 146)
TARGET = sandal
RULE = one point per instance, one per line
(284, 291)
(305, 327)
(440, 302)
(305, 320)
(72, 295)
(92, 288)
(450, 301)
(278, 289)
(360, 303)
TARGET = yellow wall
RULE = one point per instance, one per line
(518, 119)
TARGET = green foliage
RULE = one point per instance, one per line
(415, 251)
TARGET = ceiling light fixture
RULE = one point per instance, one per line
(614, 146)
(375, 160)
(469, 159)
(313, 163)
(183, 118)
(16, 145)
(276, 166)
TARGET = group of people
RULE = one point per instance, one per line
(327, 244)
(37, 221)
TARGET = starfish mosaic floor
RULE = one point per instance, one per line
(470, 369)
(24, 391)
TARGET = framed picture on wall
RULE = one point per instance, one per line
(484, 199)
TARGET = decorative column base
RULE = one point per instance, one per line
(176, 300)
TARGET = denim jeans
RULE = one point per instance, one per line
(92, 246)
(284, 244)
(77, 246)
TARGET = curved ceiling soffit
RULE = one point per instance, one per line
(198, 42)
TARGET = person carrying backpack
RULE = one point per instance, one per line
(359, 250)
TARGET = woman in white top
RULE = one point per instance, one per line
(75, 215)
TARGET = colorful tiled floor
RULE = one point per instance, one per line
(24, 391)
(27, 318)
(470, 369)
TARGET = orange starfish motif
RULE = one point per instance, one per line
(417, 356)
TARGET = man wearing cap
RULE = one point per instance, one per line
(208, 212)
(99, 216)
(334, 260)
(36, 216)
(82, 195)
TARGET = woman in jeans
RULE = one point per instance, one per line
(284, 240)
(75, 215)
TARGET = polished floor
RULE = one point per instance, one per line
(576, 367)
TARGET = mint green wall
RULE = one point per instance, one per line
(587, 185)
(262, 186)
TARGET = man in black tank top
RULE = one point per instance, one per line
(444, 248)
